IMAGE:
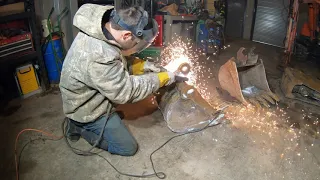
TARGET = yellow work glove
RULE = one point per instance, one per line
(140, 66)
(166, 78)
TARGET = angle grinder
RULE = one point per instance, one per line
(181, 73)
(184, 70)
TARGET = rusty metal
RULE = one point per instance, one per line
(229, 80)
(247, 83)
(132, 111)
(245, 58)
(297, 85)
(254, 76)
(291, 31)
(241, 57)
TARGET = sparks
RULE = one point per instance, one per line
(180, 52)
(274, 124)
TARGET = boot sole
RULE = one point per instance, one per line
(73, 138)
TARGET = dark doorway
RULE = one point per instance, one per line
(235, 17)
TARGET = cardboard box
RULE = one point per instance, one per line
(12, 9)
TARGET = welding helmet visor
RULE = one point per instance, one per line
(144, 32)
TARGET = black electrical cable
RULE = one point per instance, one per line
(191, 132)
(89, 153)
(99, 138)
(160, 175)
(24, 146)
(100, 135)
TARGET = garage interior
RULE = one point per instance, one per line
(249, 140)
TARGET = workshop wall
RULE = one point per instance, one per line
(43, 8)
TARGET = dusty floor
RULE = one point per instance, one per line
(223, 152)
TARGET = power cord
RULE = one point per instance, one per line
(29, 142)
(89, 153)
(160, 175)
(16, 143)
(97, 141)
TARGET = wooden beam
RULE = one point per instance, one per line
(311, 1)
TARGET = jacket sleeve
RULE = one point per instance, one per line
(114, 82)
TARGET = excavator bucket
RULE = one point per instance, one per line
(254, 76)
(184, 109)
(239, 80)
(229, 80)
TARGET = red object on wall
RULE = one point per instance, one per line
(305, 31)
(14, 24)
(159, 39)
(16, 46)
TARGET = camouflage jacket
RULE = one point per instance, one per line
(94, 76)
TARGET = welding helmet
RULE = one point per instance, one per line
(144, 32)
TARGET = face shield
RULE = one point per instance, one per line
(144, 32)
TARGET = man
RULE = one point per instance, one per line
(95, 78)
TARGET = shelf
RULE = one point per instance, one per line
(34, 56)
(19, 60)
(13, 17)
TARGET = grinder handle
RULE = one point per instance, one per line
(180, 79)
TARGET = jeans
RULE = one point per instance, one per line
(116, 135)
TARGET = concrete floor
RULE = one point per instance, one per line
(223, 152)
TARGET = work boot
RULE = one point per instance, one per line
(73, 132)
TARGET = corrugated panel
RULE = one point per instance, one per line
(271, 22)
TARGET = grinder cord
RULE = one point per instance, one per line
(87, 152)
(160, 175)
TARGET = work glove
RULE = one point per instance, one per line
(140, 66)
(256, 97)
(166, 78)
(151, 67)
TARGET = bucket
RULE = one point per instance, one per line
(184, 109)
(53, 64)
